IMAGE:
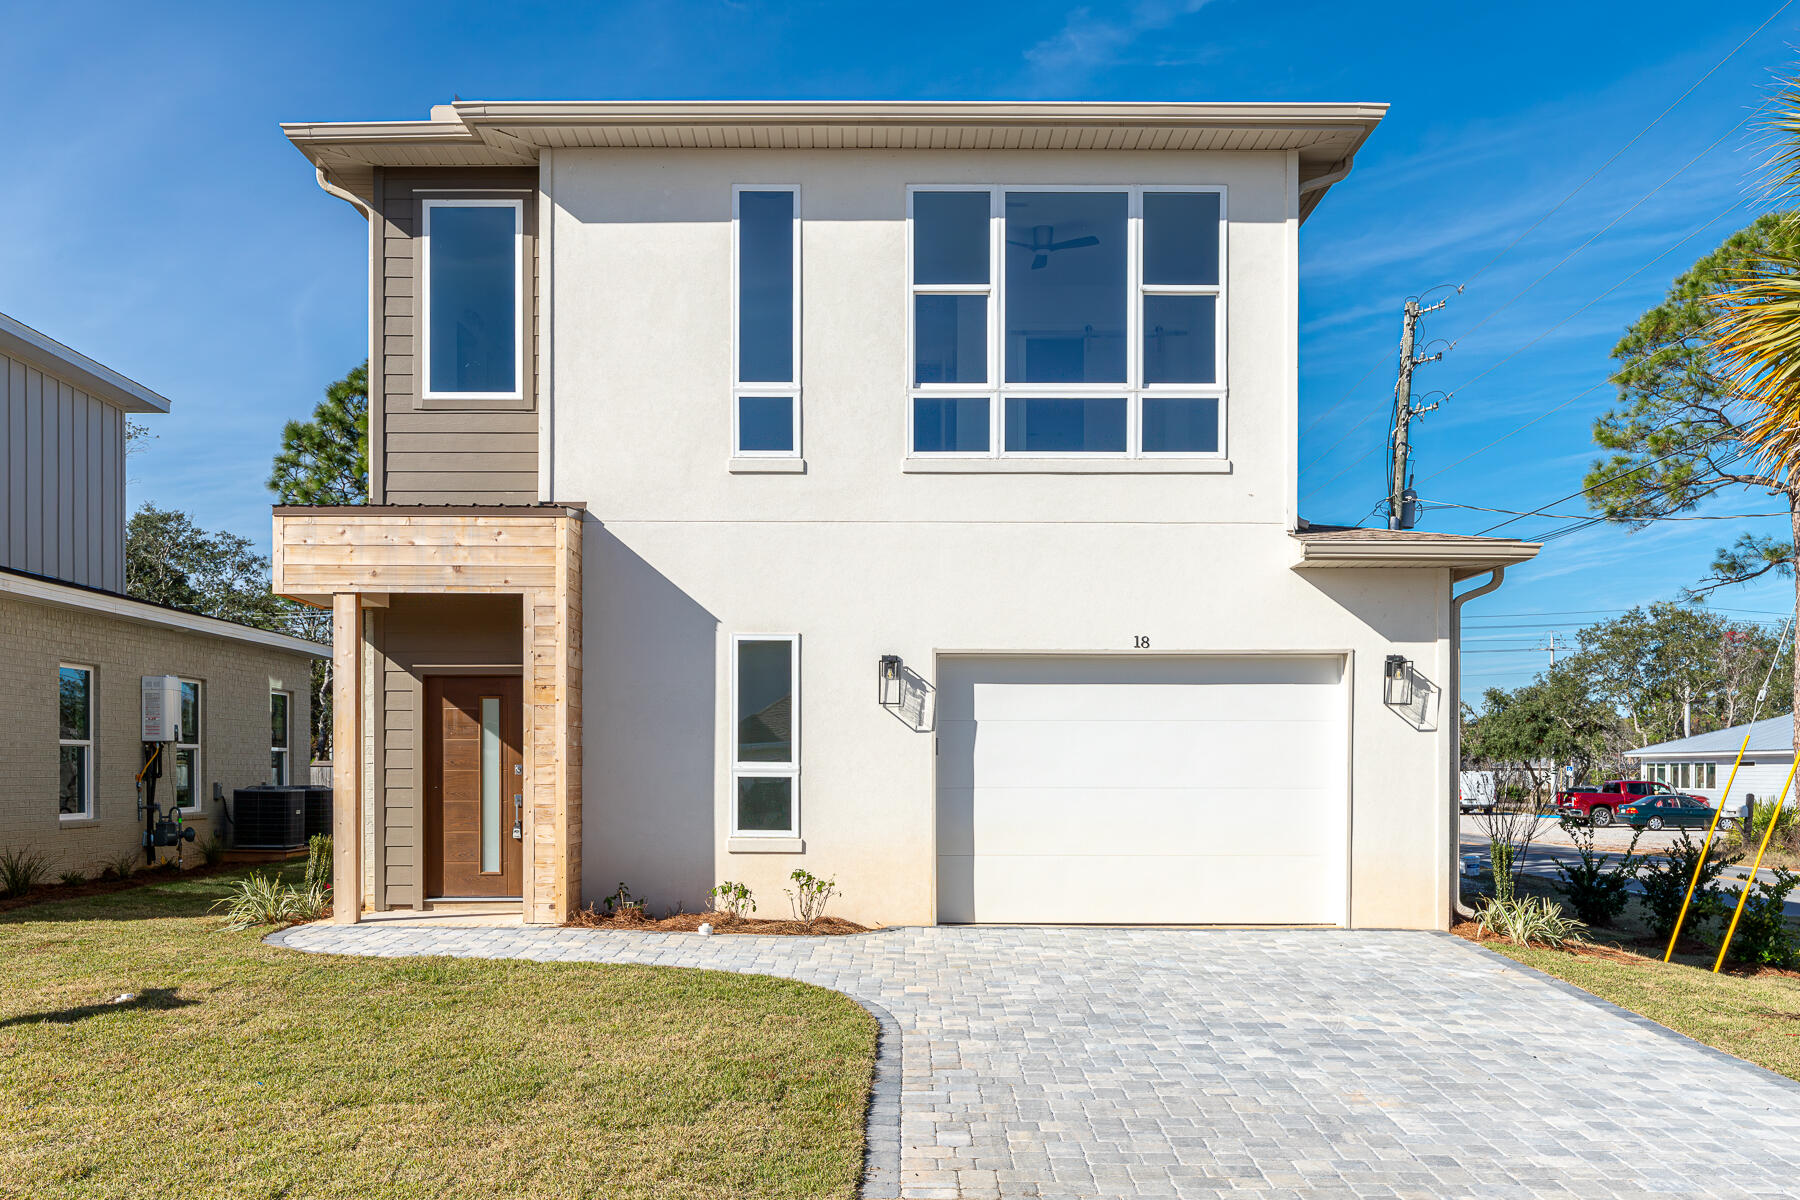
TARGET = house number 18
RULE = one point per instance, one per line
(1141, 641)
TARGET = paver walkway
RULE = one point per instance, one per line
(1080, 1062)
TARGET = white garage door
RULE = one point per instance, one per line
(1133, 790)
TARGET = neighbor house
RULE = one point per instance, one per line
(74, 648)
(899, 492)
(1702, 765)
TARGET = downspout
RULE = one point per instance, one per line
(1456, 602)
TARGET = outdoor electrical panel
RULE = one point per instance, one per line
(162, 708)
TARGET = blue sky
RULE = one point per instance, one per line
(156, 219)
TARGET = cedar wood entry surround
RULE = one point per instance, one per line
(352, 559)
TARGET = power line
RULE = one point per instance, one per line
(1510, 246)
(1635, 138)
(1588, 516)
(1539, 511)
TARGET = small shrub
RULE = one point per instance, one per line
(1763, 936)
(1529, 921)
(72, 878)
(20, 871)
(732, 899)
(810, 895)
(1598, 890)
(122, 865)
(263, 899)
(318, 863)
(622, 901)
(212, 850)
(1665, 881)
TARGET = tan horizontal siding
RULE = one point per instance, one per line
(413, 464)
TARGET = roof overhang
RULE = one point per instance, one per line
(21, 341)
(488, 133)
(1462, 555)
(39, 590)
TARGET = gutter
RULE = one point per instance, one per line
(1456, 602)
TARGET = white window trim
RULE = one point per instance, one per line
(787, 770)
(196, 746)
(426, 208)
(87, 743)
(739, 388)
(1133, 389)
(287, 751)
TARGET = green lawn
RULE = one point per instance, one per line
(245, 1070)
(1754, 1016)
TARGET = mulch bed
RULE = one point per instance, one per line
(46, 892)
(635, 920)
(1622, 954)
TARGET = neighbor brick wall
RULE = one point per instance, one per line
(236, 679)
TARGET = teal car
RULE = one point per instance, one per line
(1666, 812)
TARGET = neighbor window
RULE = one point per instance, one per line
(1068, 322)
(473, 272)
(278, 738)
(187, 747)
(765, 774)
(1712, 775)
(75, 735)
(766, 353)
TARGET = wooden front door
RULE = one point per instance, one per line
(474, 786)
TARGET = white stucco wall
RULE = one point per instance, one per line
(863, 558)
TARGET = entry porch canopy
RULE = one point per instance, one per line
(352, 558)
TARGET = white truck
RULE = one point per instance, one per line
(1476, 791)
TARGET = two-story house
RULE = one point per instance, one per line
(75, 648)
(901, 492)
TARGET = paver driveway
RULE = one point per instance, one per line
(1087, 1062)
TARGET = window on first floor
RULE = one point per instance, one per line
(765, 772)
(188, 780)
(279, 734)
(1067, 321)
(75, 736)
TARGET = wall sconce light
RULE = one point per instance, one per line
(890, 688)
(1397, 681)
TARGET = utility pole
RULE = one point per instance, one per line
(1550, 645)
(1402, 501)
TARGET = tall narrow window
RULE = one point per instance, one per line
(75, 735)
(490, 784)
(1067, 322)
(188, 782)
(279, 736)
(952, 319)
(765, 776)
(766, 395)
(473, 280)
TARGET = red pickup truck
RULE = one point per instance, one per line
(1597, 805)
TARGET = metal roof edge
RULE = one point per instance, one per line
(20, 340)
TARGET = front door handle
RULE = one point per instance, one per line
(518, 817)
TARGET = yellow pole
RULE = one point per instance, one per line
(1745, 893)
(1706, 846)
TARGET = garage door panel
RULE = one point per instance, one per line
(1142, 790)
(1135, 687)
(1107, 753)
(1131, 889)
(1119, 821)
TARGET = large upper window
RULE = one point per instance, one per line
(766, 352)
(765, 772)
(472, 278)
(75, 737)
(188, 783)
(1067, 322)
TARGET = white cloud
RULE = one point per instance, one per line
(1088, 41)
